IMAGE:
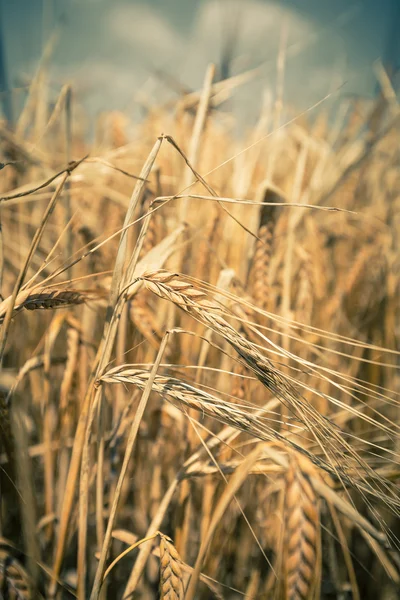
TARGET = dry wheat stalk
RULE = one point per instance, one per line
(171, 580)
(300, 553)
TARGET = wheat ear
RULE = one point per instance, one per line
(46, 298)
(171, 580)
(183, 396)
(301, 530)
(340, 455)
(260, 265)
(14, 580)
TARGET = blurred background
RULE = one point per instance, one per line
(123, 54)
(102, 79)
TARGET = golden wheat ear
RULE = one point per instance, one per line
(171, 581)
(300, 554)
(49, 298)
(260, 264)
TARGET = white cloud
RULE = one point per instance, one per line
(115, 48)
(145, 30)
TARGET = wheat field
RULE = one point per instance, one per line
(200, 351)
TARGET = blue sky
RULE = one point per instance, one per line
(108, 48)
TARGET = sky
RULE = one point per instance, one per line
(111, 49)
